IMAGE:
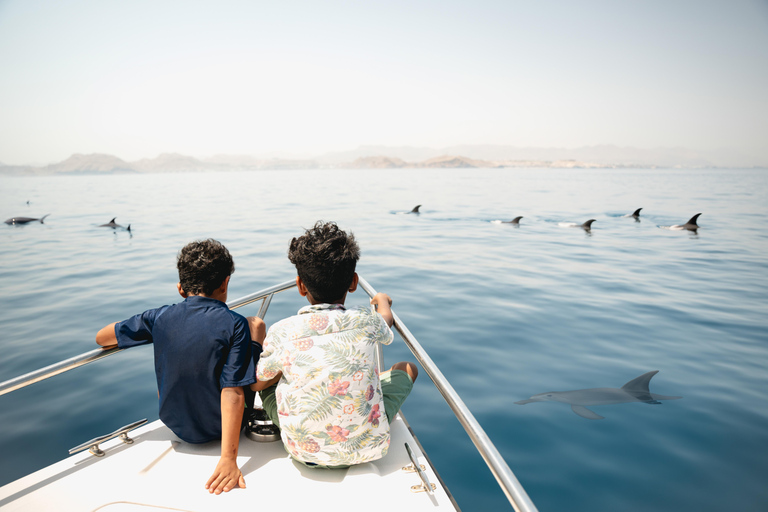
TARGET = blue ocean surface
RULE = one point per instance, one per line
(506, 312)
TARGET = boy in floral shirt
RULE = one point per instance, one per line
(317, 374)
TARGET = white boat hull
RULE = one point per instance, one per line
(159, 472)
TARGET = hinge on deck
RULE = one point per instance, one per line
(425, 485)
(422, 488)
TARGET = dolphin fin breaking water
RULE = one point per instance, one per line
(114, 225)
(587, 226)
(691, 225)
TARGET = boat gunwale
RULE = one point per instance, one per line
(505, 478)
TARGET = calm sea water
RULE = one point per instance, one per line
(505, 312)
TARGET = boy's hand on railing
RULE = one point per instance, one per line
(382, 303)
(379, 298)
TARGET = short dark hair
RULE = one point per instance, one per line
(325, 259)
(203, 266)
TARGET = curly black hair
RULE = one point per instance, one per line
(325, 259)
(203, 265)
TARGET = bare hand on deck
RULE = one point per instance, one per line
(225, 477)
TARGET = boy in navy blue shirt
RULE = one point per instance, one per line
(203, 356)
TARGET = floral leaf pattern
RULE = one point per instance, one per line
(329, 398)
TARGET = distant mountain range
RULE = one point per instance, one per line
(384, 157)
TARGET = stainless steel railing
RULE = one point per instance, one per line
(506, 479)
(99, 353)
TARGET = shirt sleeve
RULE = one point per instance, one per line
(238, 368)
(382, 332)
(269, 363)
(137, 330)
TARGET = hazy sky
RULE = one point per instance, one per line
(138, 78)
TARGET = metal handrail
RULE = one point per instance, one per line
(506, 479)
(99, 353)
(56, 368)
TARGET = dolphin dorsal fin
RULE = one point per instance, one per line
(694, 219)
(416, 209)
(112, 221)
(588, 224)
(640, 384)
(516, 220)
(637, 212)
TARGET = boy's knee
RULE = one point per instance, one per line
(409, 368)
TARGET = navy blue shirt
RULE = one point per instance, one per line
(200, 347)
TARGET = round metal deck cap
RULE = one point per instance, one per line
(260, 428)
(263, 433)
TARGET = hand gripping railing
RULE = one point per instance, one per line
(515, 493)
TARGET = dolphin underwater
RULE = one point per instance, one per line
(690, 225)
(114, 225)
(635, 390)
(25, 220)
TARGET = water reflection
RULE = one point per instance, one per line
(635, 390)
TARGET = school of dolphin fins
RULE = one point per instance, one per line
(691, 225)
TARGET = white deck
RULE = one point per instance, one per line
(158, 472)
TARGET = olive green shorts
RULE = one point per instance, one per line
(396, 385)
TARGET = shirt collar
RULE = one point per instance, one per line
(313, 308)
(198, 299)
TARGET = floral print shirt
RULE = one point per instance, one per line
(329, 398)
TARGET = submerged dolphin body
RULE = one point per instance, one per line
(114, 225)
(635, 390)
(25, 220)
(690, 225)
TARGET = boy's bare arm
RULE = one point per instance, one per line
(258, 329)
(227, 475)
(106, 336)
(264, 384)
(258, 334)
(383, 303)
